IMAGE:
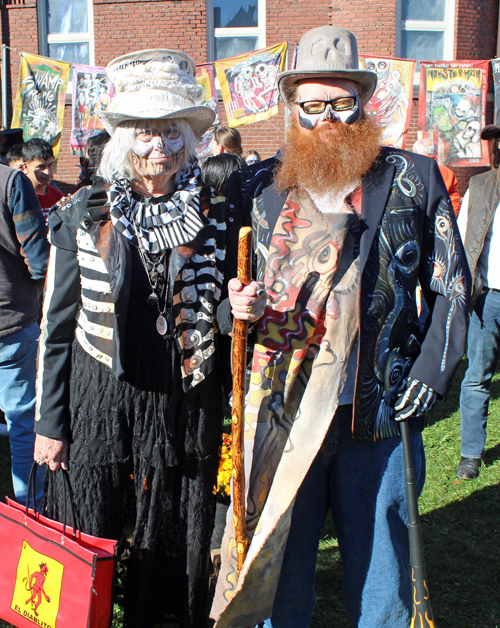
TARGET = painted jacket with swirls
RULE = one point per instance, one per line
(408, 234)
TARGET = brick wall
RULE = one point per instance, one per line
(121, 27)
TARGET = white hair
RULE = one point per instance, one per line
(425, 146)
(116, 162)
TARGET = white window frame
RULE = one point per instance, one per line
(254, 31)
(68, 38)
(447, 26)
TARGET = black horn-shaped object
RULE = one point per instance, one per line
(422, 616)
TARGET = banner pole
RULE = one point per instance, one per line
(4, 86)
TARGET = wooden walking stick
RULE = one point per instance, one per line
(240, 336)
(422, 612)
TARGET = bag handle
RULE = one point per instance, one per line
(66, 494)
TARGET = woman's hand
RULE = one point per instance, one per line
(247, 302)
(51, 451)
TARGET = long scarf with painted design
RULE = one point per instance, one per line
(311, 322)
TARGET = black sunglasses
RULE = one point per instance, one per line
(345, 103)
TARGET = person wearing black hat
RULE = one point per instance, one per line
(10, 137)
(339, 360)
(479, 225)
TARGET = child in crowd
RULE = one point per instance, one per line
(216, 170)
(227, 140)
(38, 166)
(252, 157)
(15, 156)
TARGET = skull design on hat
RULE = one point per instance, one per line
(328, 52)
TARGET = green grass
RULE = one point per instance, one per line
(460, 526)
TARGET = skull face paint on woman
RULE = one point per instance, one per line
(158, 149)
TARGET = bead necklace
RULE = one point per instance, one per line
(157, 271)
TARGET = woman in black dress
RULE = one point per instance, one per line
(129, 394)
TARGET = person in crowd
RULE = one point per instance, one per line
(252, 157)
(426, 146)
(339, 359)
(38, 166)
(10, 138)
(90, 164)
(227, 140)
(15, 157)
(216, 170)
(490, 134)
(480, 231)
(24, 254)
(129, 386)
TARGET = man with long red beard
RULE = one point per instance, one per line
(344, 233)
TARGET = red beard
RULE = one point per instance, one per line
(328, 158)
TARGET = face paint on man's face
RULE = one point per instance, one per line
(304, 120)
(310, 120)
(350, 117)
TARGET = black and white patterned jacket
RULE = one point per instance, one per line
(87, 294)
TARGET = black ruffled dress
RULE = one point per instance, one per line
(143, 463)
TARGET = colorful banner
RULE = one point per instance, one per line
(91, 93)
(392, 101)
(452, 110)
(41, 93)
(495, 68)
(249, 84)
(207, 95)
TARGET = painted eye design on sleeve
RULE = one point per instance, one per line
(407, 256)
(458, 288)
(438, 270)
(442, 226)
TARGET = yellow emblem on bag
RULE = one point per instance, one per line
(38, 587)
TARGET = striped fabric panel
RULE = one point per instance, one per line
(92, 262)
(95, 285)
(91, 349)
(97, 306)
(85, 242)
(42, 341)
(94, 328)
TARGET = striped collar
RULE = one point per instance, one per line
(159, 226)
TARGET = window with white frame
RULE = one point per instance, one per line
(235, 27)
(425, 30)
(66, 30)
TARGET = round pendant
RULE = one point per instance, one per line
(161, 325)
(160, 268)
(152, 299)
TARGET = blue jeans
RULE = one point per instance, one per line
(482, 353)
(17, 400)
(364, 486)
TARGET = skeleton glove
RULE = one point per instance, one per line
(415, 400)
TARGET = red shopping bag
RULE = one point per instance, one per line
(53, 576)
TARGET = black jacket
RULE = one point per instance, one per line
(408, 234)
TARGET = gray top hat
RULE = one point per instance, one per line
(328, 52)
